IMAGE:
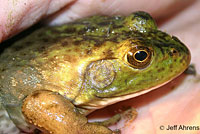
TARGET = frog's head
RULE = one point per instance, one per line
(145, 60)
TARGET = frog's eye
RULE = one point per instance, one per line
(139, 57)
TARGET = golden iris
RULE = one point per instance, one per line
(139, 57)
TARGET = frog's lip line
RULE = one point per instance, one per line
(109, 101)
(103, 102)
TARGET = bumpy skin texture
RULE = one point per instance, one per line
(92, 62)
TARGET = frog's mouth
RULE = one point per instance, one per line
(103, 102)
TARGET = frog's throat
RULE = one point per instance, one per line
(103, 102)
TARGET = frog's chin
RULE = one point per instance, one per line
(103, 102)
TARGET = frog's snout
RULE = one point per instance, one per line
(186, 57)
(181, 56)
(181, 52)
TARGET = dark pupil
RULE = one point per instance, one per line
(141, 55)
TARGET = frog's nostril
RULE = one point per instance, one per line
(174, 51)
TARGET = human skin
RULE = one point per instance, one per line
(176, 103)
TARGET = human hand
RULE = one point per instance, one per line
(173, 104)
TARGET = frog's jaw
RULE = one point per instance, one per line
(103, 102)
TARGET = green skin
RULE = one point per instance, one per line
(86, 62)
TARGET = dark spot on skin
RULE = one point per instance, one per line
(89, 52)
(64, 43)
(117, 26)
(76, 42)
(174, 51)
(170, 54)
(127, 34)
(51, 59)
(81, 32)
(109, 54)
(45, 39)
(40, 34)
(3, 69)
(24, 54)
(108, 31)
(126, 81)
(95, 78)
(41, 49)
(161, 69)
(36, 95)
(28, 42)
(105, 23)
(68, 50)
(171, 66)
(37, 131)
(156, 66)
(114, 40)
(162, 37)
(143, 81)
(181, 61)
(55, 31)
(138, 84)
(159, 46)
(176, 39)
(98, 43)
(18, 48)
(77, 49)
(150, 71)
(70, 30)
(184, 57)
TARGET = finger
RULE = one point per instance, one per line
(82, 8)
(18, 15)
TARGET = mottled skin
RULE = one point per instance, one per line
(92, 62)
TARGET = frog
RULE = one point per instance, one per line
(54, 76)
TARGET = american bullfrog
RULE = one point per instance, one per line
(55, 76)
